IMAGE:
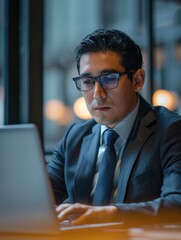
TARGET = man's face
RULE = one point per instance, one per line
(108, 107)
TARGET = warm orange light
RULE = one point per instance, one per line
(80, 109)
(56, 111)
(168, 99)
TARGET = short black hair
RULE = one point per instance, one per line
(103, 40)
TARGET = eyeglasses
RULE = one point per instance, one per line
(107, 81)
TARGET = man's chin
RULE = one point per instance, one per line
(103, 121)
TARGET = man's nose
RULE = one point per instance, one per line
(99, 92)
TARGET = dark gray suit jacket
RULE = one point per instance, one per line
(150, 172)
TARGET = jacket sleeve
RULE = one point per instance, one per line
(55, 168)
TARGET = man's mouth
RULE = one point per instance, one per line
(101, 108)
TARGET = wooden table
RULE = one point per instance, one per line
(171, 232)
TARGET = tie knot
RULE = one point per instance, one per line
(110, 137)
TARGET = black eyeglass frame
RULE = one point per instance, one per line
(97, 78)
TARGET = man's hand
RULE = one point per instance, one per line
(79, 214)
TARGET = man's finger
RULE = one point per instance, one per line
(72, 212)
(61, 207)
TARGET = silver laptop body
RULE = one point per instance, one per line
(26, 199)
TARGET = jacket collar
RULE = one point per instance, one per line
(139, 135)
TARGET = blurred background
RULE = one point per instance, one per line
(37, 61)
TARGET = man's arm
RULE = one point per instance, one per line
(55, 169)
(129, 215)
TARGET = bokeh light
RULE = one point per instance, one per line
(168, 99)
(80, 109)
(56, 111)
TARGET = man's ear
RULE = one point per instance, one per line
(138, 79)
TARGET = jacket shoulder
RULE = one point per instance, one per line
(165, 115)
(79, 129)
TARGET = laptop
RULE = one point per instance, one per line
(27, 203)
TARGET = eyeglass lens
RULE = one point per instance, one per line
(106, 82)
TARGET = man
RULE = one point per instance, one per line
(146, 186)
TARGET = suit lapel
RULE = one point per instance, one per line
(86, 166)
(133, 147)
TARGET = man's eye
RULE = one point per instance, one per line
(87, 81)
(108, 79)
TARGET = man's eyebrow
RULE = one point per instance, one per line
(106, 71)
(85, 75)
